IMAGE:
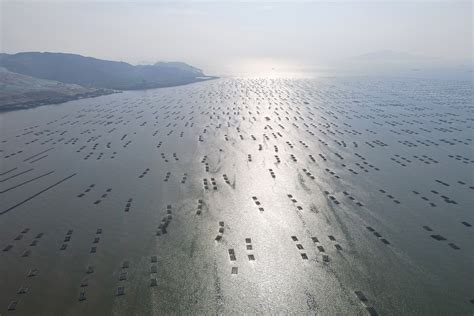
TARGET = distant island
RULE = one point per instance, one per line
(31, 79)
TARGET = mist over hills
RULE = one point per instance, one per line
(390, 63)
(98, 73)
(32, 79)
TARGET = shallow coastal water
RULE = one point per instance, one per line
(327, 196)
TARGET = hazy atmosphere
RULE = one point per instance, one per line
(236, 158)
(231, 37)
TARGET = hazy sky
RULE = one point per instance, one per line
(222, 36)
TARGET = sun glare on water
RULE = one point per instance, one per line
(269, 68)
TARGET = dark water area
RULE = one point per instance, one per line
(330, 196)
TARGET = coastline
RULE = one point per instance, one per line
(55, 100)
(93, 94)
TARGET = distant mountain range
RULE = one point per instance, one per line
(98, 73)
(32, 78)
(389, 55)
(403, 64)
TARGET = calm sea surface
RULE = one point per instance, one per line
(322, 196)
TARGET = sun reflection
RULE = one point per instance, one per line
(269, 68)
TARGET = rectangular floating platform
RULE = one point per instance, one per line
(123, 276)
(82, 296)
(361, 296)
(371, 311)
(7, 248)
(23, 290)
(454, 246)
(120, 291)
(438, 237)
(12, 305)
(385, 241)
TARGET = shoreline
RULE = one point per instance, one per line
(93, 94)
(55, 100)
